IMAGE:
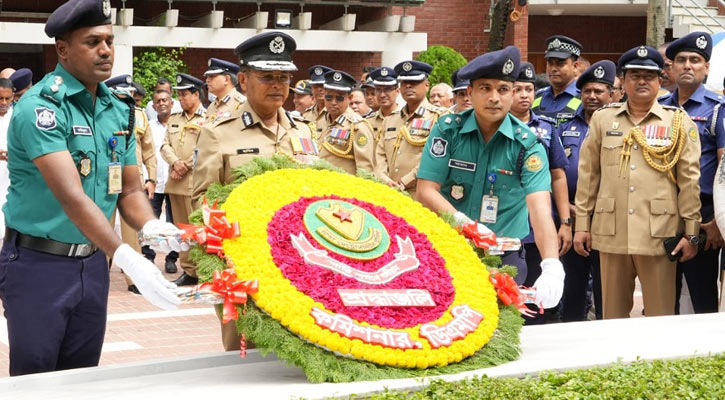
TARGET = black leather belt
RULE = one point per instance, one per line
(51, 246)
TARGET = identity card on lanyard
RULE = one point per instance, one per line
(115, 171)
(489, 205)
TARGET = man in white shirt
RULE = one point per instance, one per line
(162, 84)
(162, 103)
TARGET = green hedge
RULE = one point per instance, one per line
(692, 378)
(445, 62)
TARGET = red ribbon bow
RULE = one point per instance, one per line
(216, 228)
(480, 240)
(509, 293)
(234, 291)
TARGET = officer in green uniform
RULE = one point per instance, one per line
(72, 160)
(485, 165)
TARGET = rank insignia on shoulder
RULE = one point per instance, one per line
(340, 119)
(247, 119)
(45, 118)
(447, 120)
(248, 150)
(439, 147)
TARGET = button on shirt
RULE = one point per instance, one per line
(457, 157)
(700, 107)
(158, 131)
(58, 115)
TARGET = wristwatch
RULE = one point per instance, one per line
(693, 239)
(567, 221)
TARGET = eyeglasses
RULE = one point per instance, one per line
(338, 98)
(385, 89)
(269, 78)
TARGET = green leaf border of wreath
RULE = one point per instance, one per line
(321, 365)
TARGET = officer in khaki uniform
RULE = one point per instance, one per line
(145, 154)
(260, 128)
(221, 79)
(404, 133)
(385, 82)
(317, 112)
(179, 150)
(636, 200)
(347, 140)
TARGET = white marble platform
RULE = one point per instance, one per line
(547, 347)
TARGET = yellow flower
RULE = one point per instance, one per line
(278, 297)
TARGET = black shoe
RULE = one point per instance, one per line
(170, 267)
(185, 280)
(133, 289)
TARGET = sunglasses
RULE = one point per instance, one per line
(338, 98)
(269, 79)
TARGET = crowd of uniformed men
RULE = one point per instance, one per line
(628, 163)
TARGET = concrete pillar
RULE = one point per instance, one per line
(123, 62)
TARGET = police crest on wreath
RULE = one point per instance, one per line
(384, 72)
(407, 66)
(529, 73)
(508, 67)
(439, 147)
(276, 46)
(599, 72)
(642, 52)
(701, 42)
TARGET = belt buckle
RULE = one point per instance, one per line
(80, 250)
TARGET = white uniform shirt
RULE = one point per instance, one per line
(158, 131)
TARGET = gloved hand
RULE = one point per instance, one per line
(550, 285)
(146, 277)
(165, 237)
(461, 219)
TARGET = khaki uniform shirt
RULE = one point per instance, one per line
(376, 120)
(182, 133)
(231, 101)
(230, 141)
(404, 134)
(317, 118)
(145, 150)
(347, 142)
(634, 213)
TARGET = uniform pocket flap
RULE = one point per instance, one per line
(661, 207)
(604, 205)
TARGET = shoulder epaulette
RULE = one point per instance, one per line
(295, 117)
(673, 108)
(714, 96)
(525, 136)
(54, 90)
(310, 108)
(353, 117)
(612, 105)
(540, 91)
(664, 97)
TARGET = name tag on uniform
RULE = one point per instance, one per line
(459, 164)
(82, 130)
(392, 129)
(571, 133)
(115, 180)
(564, 115)
(251, 150)
(614, 133)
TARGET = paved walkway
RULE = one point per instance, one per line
(139, 331)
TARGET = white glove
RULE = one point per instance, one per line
(461, 219)
(146, 277)
(166, 236)
(550, 285)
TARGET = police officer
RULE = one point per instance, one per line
(259, 128)
(485, 165)
(386, 91)
(316, 113)
(404, 133)
(638, 199)
(221, 80)
(543, 128)
(347, 140)
(22, 81)
(596, 86)
(302, 96)
(72, 160)
(560, 100)
(461, 101)
(690, 57)
(145, 156)
(179, 151)
(368, 88)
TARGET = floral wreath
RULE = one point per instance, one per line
(304, 321)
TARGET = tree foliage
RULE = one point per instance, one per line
(152, 64)
(445, 62)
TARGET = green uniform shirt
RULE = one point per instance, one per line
(56, 115)
(456, 156)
